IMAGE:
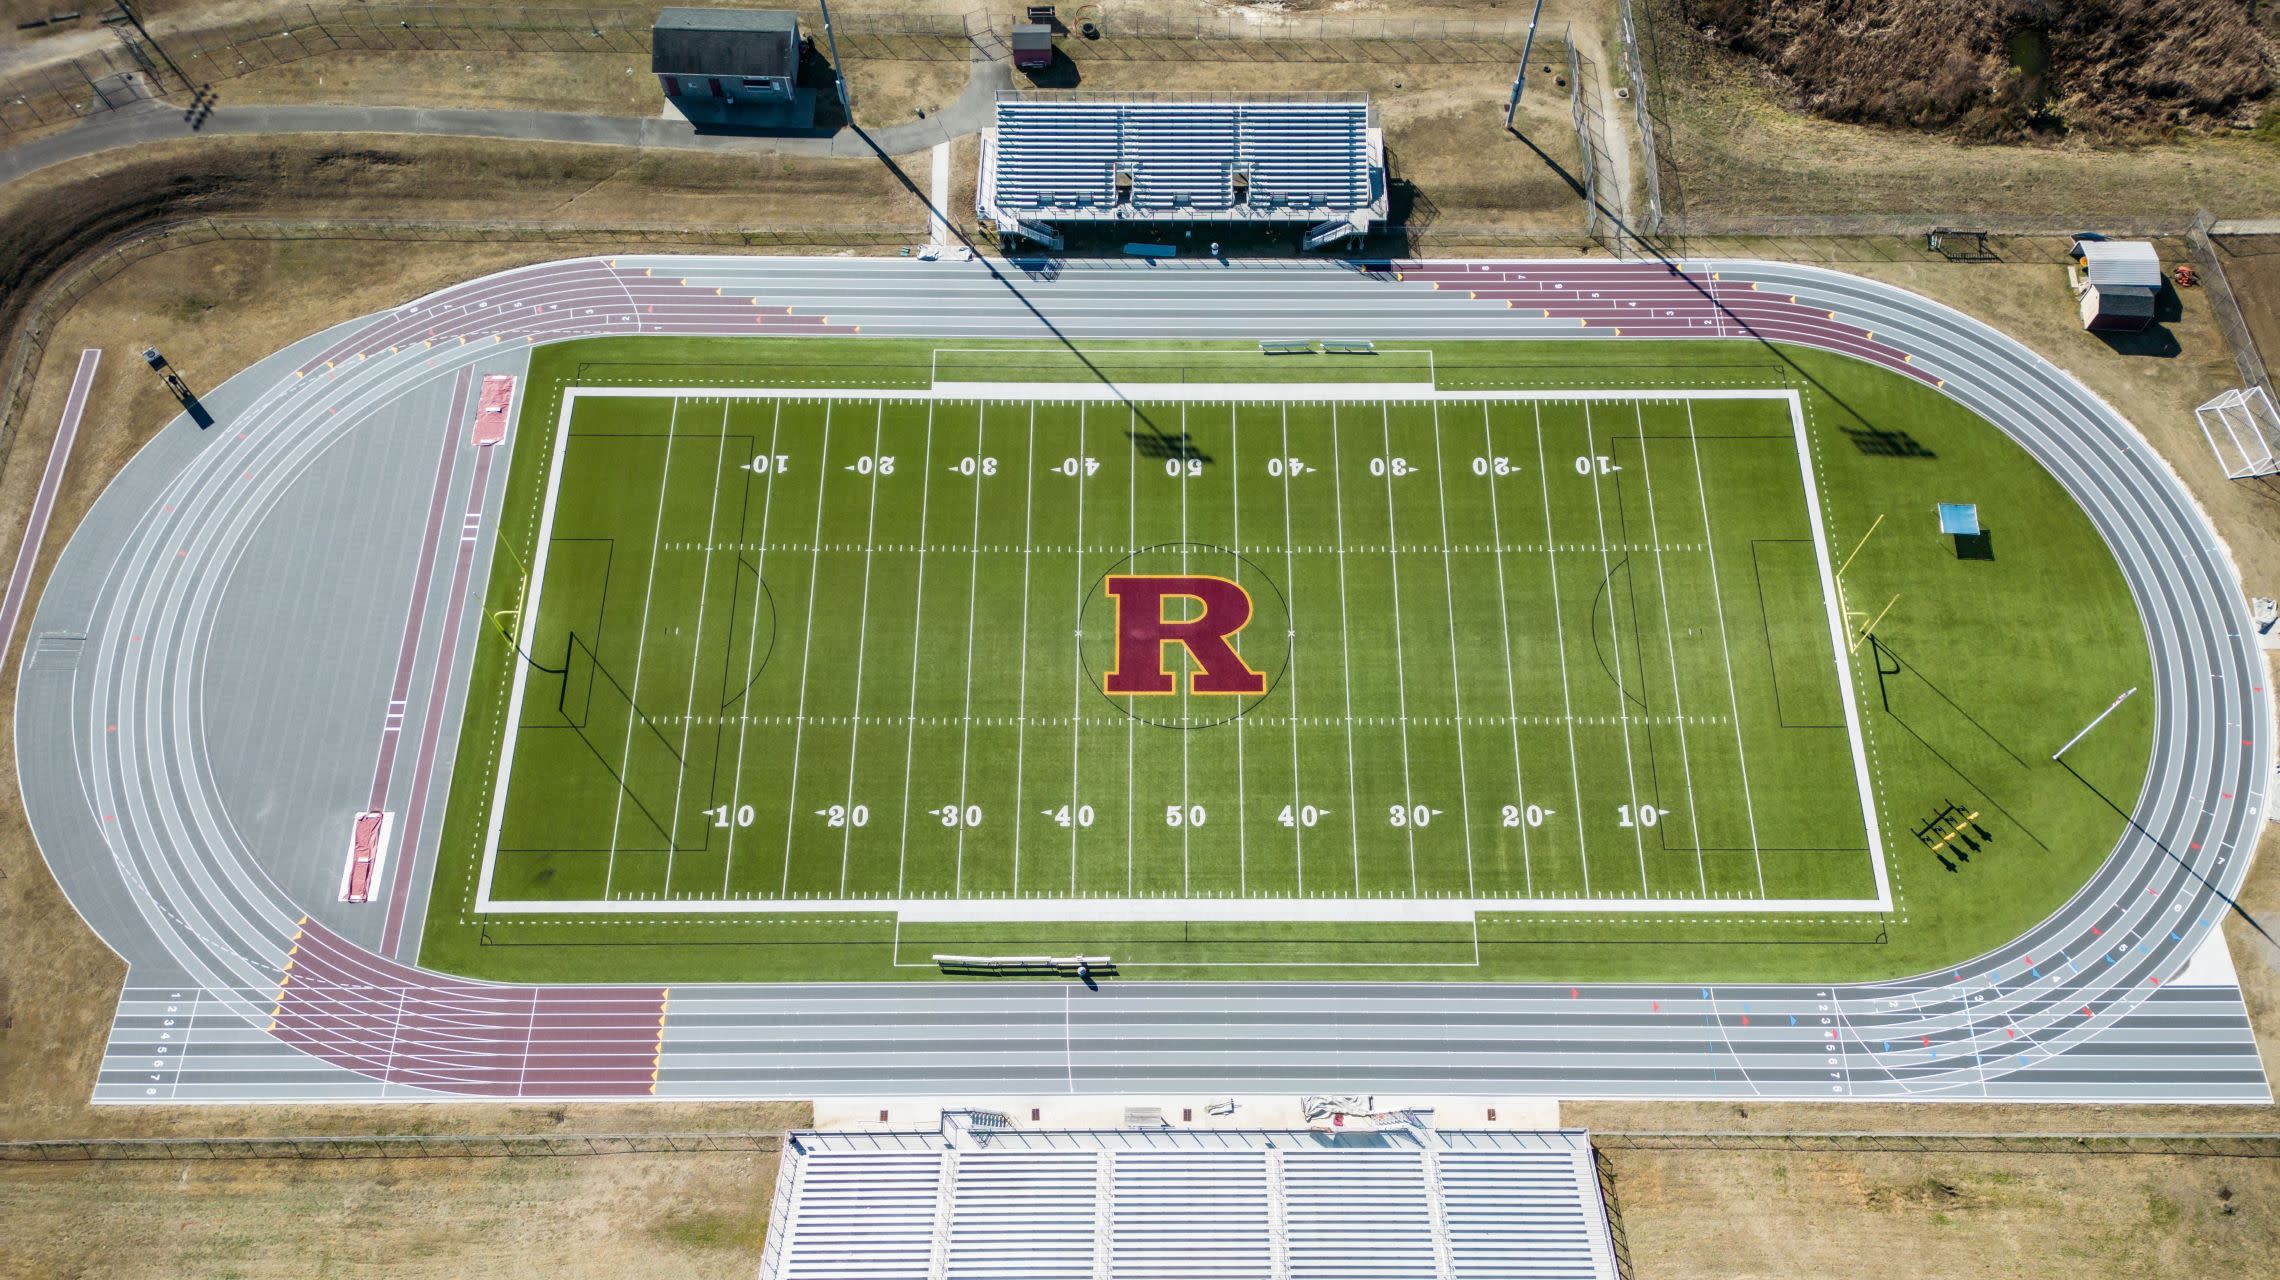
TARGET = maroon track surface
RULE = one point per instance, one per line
(344, 1005)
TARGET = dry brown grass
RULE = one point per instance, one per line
(609, 84)
(894, 91)
(630, 1217)
(1733, 1215)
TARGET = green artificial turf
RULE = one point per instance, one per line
(771, 666)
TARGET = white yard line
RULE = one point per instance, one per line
(1511, 684)
(1456, 679)
(917, 616)
(1235, 535)
(1290, 571)
(1021, 734)
(1131, 748)
(1400, 663)
(1345, 645)
(697, 650)
(1733, 698)
(1187, 804)
(1670, 643)
(807, 645)
(973, 582)
(641, 646)
(862, 644)
(1559, 632)
(1615, 638)
(1077, 668)
(752, 642)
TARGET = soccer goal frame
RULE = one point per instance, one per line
(2243, 431)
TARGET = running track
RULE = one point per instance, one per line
(235, 992)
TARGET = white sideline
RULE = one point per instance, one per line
(1055, 910)
(924, 910)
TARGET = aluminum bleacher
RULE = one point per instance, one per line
(968, 1200)
(1060, 160)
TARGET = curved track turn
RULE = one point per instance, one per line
(235, 994)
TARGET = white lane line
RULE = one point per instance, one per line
(752, 646)
(807, 644)
(641, 647)
(1670, 643)
(1733, 698)
(43, 505)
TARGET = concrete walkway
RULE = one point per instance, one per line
(158, 121)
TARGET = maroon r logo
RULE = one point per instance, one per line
(1142, 631)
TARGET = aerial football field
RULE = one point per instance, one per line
(1247, 660)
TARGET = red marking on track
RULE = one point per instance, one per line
(2097, 932)
(2157, 982)
(423, 768)
(416, 611)
(1574, 994)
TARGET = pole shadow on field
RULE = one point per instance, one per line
(1889, 666)
(942, 218)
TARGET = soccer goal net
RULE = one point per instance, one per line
(2243, 431)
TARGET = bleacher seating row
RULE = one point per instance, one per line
(1224, 1207)
(1063, 159)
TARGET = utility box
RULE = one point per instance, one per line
(1032, 46)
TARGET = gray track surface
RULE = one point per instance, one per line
(195, 859)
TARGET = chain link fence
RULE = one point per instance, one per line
(2231, 1146)
(1650, 167)
(2225, 306)
(421, 1147)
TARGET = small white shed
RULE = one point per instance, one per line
(2119, 283)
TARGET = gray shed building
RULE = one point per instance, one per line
(730, 55)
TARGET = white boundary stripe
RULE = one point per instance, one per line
(522, 647)
(1017, 909)
(990, 910)
(1840, 650)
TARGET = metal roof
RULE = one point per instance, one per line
(1105, 159)
(724, 42)
(2120, 262)
(1186, 1204)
